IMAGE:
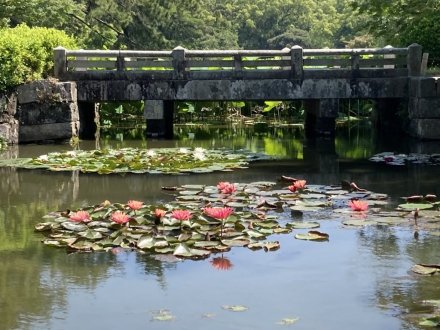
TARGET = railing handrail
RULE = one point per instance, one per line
(180, 62)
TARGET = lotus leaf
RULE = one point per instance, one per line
(271, 246)
(303, 225)
(288, 321)
(359, 223)
(163, 315)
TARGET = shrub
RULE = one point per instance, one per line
(26, 53)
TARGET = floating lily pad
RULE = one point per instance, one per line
(163, 315)
(359, 223)
(424, 269)
(413, 206)
(303, 225)
(235, 308)
(288, 321)
(313, 235)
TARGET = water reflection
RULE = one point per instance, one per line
(44, 288)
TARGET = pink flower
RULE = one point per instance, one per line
(159, 213)
(120, 217)
(297, 185)
(181, 215)
(219, 213)
(80, 216)
(226, 187)
(135, 205)
(357, 205)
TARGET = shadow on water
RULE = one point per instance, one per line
(361, 274)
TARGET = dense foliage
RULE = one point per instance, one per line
(27, 53)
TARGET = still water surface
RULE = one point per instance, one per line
(360, 279)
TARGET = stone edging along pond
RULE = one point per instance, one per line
(205, 219)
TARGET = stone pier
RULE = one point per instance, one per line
(8, 122)
(47, 110)
(424, 108)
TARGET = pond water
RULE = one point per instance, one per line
(359, 279)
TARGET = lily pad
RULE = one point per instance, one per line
(313, 235)
(359, 223)
(163, 315)
(235, 308)
(424, 269)
(303, 225)
(413, 206)
(288, 321)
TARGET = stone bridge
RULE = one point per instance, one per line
(320, 77)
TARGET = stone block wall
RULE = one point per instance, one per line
(8, 122)
(424, 108)
(47, 110)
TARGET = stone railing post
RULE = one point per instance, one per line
(60, 62)
(178, 55)
(296, 56)
(238, 66)
(414, 60)
(120, 62)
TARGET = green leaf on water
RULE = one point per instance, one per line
(413, 206)
(424, 269)
(235, 308)
(288, 321)
(303, 225)
(163, 315)
(313, 235)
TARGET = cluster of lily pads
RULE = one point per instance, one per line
(135, 160)
(206, 219)
(391, 158)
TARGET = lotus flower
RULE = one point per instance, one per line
(297, 185)
(221, 263)
(219, 213)
(358, 205)
(159, 213)
(80, 216)
(135, 205)
(106, 203)
(120, 217)
(181, 215)
(226, 187)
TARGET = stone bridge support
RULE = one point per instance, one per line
(159, 118)
(424, 108)
(320, 117)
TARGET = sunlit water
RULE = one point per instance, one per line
(360, 279)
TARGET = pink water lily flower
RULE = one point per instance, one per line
(358, 205)
(159, 213)
(297, 185)
(226, 187)
(181, 215)
(135, 205)
(120, 217)
(80, 216)
(219, 213)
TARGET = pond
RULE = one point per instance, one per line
(359, 279)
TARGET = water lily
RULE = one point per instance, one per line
(183, 150)
(43, 158)
(135, 205)
(226, 187)
(221, 263)
(151, 153)
(297, 185)
(80, 216)
(159, 213)
(358, 205)
(106, 203)
(181, 215)
(219, 213)
(120, 217)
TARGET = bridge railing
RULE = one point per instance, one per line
(288, 63)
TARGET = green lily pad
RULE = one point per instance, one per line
(359, 223)
(423, 269)
(163, 315)
(235, 308)
(288, 321)
(413, 206)
(313, 235)
(303, 225)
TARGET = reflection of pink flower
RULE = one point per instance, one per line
(181, 215)
(226, 187)
(80, 216)
(120, 217)
(297, 185)
(159, 213)
(219, 213)
(135, 205)
(221, 263)
(358, 205)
